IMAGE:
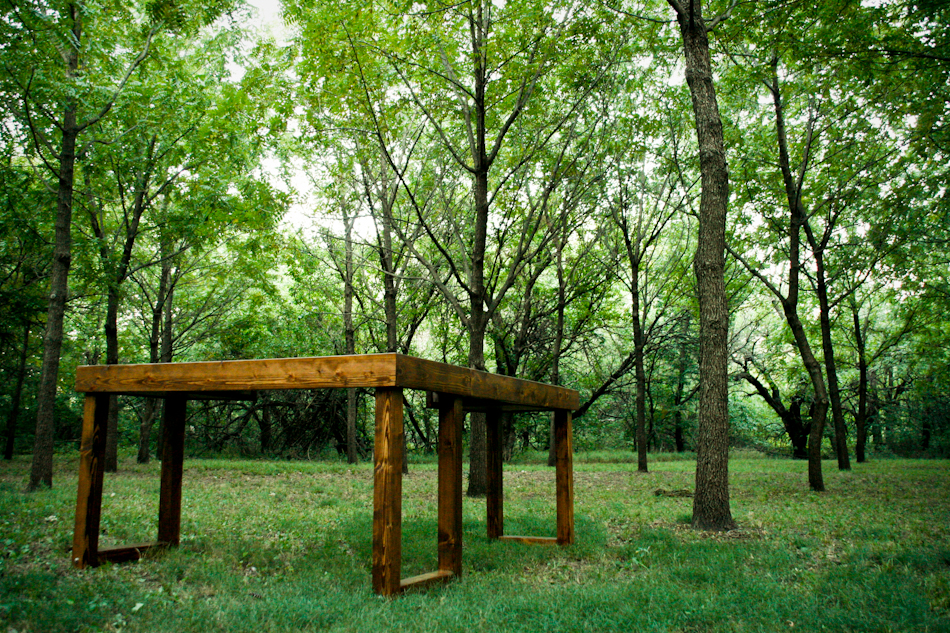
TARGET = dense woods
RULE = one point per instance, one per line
(586, 194)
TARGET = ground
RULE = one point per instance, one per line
(286, 546)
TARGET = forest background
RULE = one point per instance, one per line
(511, 186)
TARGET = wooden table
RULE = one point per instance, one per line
(453, 390)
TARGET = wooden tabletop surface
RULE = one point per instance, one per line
(366, 370)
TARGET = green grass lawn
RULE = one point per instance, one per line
(286, 546)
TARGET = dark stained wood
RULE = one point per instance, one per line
(564, 477)
(368, 370)
(387, 497)
(531, 540)
(418, 373)
(494, 495)
(127, 553)
(423, 580)
(91, 467)
(173, 456)
(452, 390)
(451, 417)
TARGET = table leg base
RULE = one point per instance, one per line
(127, 553)
(533, 540)
(424, 580)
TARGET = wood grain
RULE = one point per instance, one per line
(452, 390)
(494, 502)
(387, 496)
(423, 580)
(451, 417)
(530, 540)
(173, 459)
(368, 370)
(371, 370)
(89, 494)
(564, 477)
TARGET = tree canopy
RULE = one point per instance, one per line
(601, 195)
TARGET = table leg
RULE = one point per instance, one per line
(495, 482)
(173, 453)
(91, 467)
(564, 477)
(451, 415)
(387, 495)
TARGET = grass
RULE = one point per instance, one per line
(286, 546)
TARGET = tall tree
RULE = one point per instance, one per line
(711, 509)
(53, 65)
(486, 80)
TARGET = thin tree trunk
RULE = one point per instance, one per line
(154, 355)
(13, 416)
(831, 370)
(41, 468)
(350, 335)
(711, 509)
(112, 358)
(478, 319)
(639, 373)
(681, 367)
(558, 337)
(861, 416)
(266, 426)
(797, 220)
(167, 350)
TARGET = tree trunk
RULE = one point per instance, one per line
(639, 373)
(13, 416)
(861, 415)
(349, 333)
(112, 358)
(154, 356)
(797, 220)
(711, 509)
(167, 350)
(797, 430)
(681, 367)
(558, 337)
(478, 446)
(41, 468)
(266, 426)
(827, 345)
(478, 319)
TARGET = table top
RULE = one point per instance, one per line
(230, 378)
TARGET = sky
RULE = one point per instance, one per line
(269, 10)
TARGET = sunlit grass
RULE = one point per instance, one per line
(286, 546)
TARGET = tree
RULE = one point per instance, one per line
(711, 510)
(24, 262)
(55, 64)
(472, 71)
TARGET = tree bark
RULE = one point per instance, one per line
(478, 319)
(711, 509)
(797, 220)
(154, 355)
(167, 349)
(827, 345)
(558, 336)
(349, 333)
(679, 392)
(861, 416)
(41, 468)
(791, 416)
(640, 377)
